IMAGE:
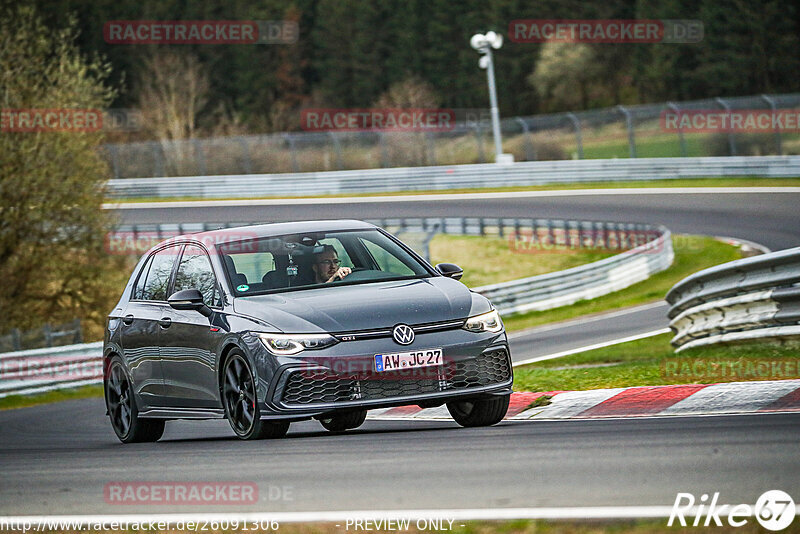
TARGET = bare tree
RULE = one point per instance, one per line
(408, 148)
(172, 88)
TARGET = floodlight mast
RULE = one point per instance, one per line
(484, 44)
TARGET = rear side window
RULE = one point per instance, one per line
(157, 282)
(138, 291)
(195, 272)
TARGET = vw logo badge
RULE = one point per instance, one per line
(403, 334)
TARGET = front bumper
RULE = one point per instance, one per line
(308, 388)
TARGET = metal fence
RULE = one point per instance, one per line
(618, 132)
(453, 177)
(46, 336)
(751, 298)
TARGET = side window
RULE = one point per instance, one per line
(195, 272)
(155, 287)
(138, 291)
(387, 261)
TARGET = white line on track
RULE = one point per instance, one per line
(451, 196)
(592, 347)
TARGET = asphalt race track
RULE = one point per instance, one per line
(770, 219)
(57, 459)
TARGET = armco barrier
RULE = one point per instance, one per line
(751, 298)
(453, 177)
(34, 371)
(649, 250)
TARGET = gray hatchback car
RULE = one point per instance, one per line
(266, 325)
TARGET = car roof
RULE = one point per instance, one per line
(241, 233)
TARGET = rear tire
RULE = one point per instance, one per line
(483, 412)
(344, 421)
(241, 403)
(122, 409)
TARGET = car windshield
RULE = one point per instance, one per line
(313, 260)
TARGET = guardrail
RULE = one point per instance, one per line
(747, 299)
(452, 177)
(39, 370)
(646, 249)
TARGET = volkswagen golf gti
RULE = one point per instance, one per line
(266, 325)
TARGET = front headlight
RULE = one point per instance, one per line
(486, 322)
(288, 344)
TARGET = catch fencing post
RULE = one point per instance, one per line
(629, 124)
(731, 141)
(576, 123)
(778, 143)
(530, 151)
(674, 107)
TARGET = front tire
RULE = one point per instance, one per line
(483, 412)
(241, 404)
(122, 409)
(344, 421)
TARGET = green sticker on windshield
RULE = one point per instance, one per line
(242, 288)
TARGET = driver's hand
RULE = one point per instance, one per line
(340, 274)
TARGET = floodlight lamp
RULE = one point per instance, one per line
(478, 41)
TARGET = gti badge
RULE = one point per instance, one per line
(403, 334)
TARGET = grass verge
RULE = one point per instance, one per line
(692, 253)
(23, 401)
(744, 181)
(489, 260)
(653, 362)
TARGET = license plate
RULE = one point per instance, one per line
(408, 360)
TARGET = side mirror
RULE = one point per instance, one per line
(189, 299)
(449, 270)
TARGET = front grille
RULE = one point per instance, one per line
(317, 387)
(387, 332)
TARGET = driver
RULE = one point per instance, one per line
(326, 266)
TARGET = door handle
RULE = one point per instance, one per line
(128, 320)
(165, 322)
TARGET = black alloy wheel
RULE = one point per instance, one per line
(241, 404)
(122, 409)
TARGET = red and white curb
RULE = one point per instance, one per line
(688, 399)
